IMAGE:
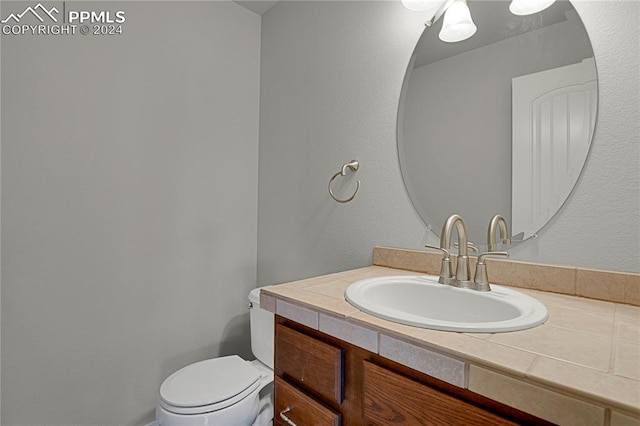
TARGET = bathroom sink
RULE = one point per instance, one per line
(423, 302)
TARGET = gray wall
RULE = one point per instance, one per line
(331, 74)
(330, 83)
(129, 205)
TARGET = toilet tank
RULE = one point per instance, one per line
(262, 336)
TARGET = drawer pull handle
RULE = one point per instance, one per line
(285, 418)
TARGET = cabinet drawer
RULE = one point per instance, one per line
(390, 398)
(310, 363)
(300, 408)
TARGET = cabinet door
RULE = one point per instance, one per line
(300, 408)
(310, 363)
(393, 399)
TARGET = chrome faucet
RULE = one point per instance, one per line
(446, 276)
(497, 221)
(463, 274)
(481, 279)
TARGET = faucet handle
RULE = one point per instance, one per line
(447, 253)
(481, 279)
(446, 276)
(492, 254)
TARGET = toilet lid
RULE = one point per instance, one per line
(209, 382)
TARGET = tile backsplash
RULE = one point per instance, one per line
(619, 287)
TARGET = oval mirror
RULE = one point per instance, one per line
(500, 123)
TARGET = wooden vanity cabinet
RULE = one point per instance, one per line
(309, 379)
(393, 399)
(311, 363)
(301, 408)
(321, 380)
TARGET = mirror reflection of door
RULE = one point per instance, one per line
(455, 123)
(553, 116)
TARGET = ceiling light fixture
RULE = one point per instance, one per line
(529, 7)
(457, 24)
(422, 5)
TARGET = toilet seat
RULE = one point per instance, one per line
(209, 385)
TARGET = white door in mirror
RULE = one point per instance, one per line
(554, 113)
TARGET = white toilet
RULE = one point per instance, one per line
(225, 391)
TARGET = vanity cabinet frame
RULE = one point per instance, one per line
(361, 374)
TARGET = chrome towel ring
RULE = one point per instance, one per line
(353, 166)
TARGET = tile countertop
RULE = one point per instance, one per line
(581, 367)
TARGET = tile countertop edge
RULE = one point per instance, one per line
(451, 347)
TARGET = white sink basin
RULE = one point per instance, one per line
(423, 302)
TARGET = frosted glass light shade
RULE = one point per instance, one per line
(528, 7)
(429, 6)
(457, 24)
